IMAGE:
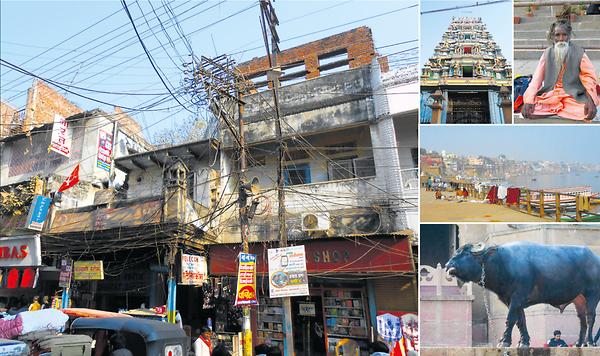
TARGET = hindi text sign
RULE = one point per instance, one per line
(246, 282)
(61, 136)
(193, 270)
(88, 270)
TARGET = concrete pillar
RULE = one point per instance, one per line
(506, 105)
(436, 107)
(387, 161)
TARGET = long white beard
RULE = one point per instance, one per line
(560, 53)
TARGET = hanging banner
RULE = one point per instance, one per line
(399, 327)
(38, 213)
(88, 270)
(194, 270)
(105, 147)
(66, 272)
(246, 282)
(287, 272)
(61, 136)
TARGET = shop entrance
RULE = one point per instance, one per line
(309, 332)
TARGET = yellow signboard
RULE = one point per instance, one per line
(88, 270)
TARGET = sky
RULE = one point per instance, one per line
(557, 143)
(497, 18)
(36, 35)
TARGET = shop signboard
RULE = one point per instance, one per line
(88, 270)
(61, 136)
(377, 255)
(20, 251)
(307, 309)
(193, 270)
(287, 272)
(246, 282)
(105, 147)
(38, 213)
(66, 272)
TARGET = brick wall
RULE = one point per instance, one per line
(131, 127)
(358, 44)
(384, 64)
(43, 103)
(8, 119)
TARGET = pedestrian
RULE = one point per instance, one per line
(35, 305)
(556, 341)
(220, 350)
(46, 302)
(379, 348)
(119, 345)
(261, 350)
(203, 345)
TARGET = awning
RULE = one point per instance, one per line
(199, 150)
(347, 255)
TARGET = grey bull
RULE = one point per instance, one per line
(523, 274)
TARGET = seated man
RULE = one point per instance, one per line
(564, 82)
(556, 341)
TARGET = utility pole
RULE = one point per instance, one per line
(269, 18)
(223, 86)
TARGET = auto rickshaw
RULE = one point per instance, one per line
(144, 337)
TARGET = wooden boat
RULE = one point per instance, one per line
(566, 195)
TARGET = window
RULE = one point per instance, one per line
(341, 169)
(191, 184)
(335, 61)
(297, 174)
(351, 168)
(467, 50)
(468, 71)
(414, 152)
(364, 167)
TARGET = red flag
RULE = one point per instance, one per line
(71, 181)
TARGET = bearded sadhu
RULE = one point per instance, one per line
(564, 82)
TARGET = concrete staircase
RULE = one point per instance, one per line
(530, 36)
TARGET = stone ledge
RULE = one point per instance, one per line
(511, 351)
(434, 298)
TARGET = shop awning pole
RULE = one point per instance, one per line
(171, 298)
(65, 298)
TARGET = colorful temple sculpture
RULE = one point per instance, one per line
(467, 80)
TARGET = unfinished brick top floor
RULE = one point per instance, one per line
(354, 48)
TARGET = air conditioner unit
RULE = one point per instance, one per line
(315, 222)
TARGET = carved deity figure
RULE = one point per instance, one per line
(479, 68)
(457, 68)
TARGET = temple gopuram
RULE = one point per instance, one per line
(467, 80)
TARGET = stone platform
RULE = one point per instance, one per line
(511, 351)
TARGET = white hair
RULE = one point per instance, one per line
(560, 53)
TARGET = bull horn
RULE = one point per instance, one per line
(478, 248)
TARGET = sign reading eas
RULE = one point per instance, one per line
(14, 252)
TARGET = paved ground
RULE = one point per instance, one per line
(451, 211)
(518, 119)
(512, 351)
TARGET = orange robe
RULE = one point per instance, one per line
(557, 101)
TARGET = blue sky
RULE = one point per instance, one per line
(28, 28)
(536, 142)
(497, 17)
